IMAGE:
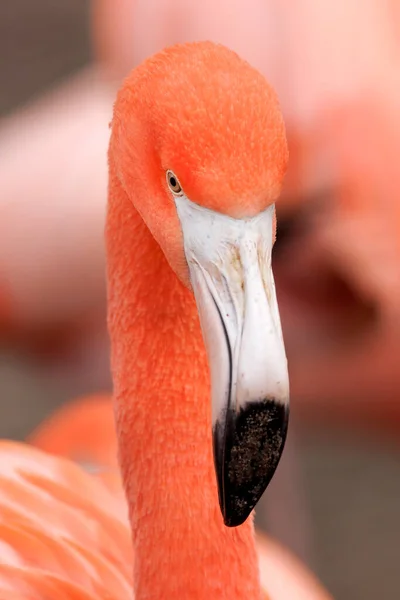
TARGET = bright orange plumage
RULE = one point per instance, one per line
(62, 534)
(196, 123)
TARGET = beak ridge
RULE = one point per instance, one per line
(230, 270)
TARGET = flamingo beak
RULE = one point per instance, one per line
(231, 275)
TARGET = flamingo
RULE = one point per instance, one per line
(363, 207)
(196, 160)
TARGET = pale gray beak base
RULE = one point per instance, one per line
(247, 450)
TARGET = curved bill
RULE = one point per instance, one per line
(230, 269)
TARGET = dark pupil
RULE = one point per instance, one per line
(172, 181)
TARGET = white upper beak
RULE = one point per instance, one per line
(230, 269)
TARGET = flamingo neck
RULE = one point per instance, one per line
(163, 415)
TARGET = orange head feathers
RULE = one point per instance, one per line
(204, 113)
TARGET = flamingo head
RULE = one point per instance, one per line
(198, 143)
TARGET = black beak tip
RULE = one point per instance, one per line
(247, 449)
(234, 519)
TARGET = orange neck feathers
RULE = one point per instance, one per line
(182, 548)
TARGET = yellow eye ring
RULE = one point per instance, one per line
(173, 183)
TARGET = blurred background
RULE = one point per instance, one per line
(335, 66)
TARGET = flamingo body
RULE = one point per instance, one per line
(64, 535)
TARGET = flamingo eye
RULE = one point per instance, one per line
(173, 184)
